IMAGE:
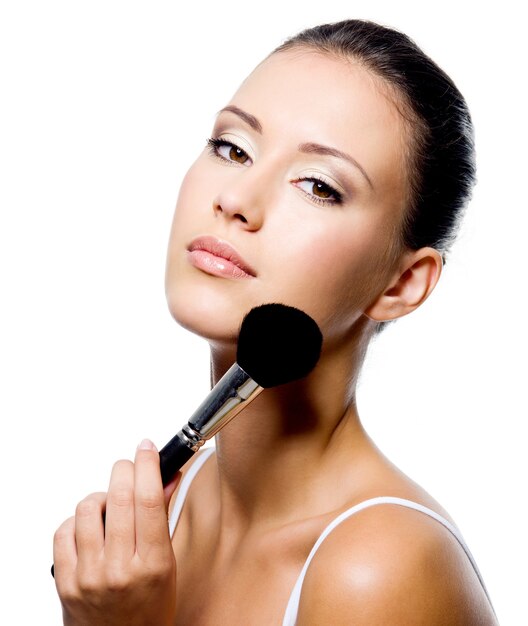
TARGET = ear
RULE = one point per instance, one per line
(416, 277)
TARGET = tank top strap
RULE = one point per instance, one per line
(290, 616)
(184, 488)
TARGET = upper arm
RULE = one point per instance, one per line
(393, 567)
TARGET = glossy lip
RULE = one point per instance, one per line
(224, 251)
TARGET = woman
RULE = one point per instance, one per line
(333, 182)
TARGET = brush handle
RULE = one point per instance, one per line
(173, 457)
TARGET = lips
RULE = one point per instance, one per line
(218, 258)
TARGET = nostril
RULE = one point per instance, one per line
(228, 212)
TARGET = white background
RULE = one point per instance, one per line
(103, 107)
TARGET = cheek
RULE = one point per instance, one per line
(183, 223)
(335, 271)
(192, 194)
(193, 208)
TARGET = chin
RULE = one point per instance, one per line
(210, 315)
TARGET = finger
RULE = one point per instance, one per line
(152, 530)
(89, 531)
(64, 554)
(170, 488)
(120, 537)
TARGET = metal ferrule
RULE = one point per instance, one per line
(191, 438)
(231, 394)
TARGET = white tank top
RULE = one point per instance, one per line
(292, 608)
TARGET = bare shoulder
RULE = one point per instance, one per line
(394, 566)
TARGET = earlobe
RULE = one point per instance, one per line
(415, 279)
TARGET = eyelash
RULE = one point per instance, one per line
(214, 143)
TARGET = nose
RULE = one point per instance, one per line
(242, 200)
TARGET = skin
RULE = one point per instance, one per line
(256, 507)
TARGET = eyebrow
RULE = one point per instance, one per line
(307, 148)
(317, 148)
(251, 120)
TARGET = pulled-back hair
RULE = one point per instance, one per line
(441, 155)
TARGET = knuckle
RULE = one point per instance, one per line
(70, 597)
(121, 496)
(88, 507)
(91, 505)
(165, 570)
(89, 584)
(151, 503)
(64, 531)
(117, 580)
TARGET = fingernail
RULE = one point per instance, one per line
(146, 444)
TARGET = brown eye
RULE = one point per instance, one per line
(321, 190)
(237, 154)
(227, 151)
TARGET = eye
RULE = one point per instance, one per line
(227, 151)
(319, 190)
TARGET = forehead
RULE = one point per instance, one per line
(303, 95)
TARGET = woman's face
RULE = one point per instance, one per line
(305, 182)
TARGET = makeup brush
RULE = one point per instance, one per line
(277, 344)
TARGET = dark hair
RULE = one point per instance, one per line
(441, 160)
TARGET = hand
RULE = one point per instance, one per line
(114, 562)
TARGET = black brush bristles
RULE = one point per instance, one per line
(278, 344)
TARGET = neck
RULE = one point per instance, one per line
(283, 453)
